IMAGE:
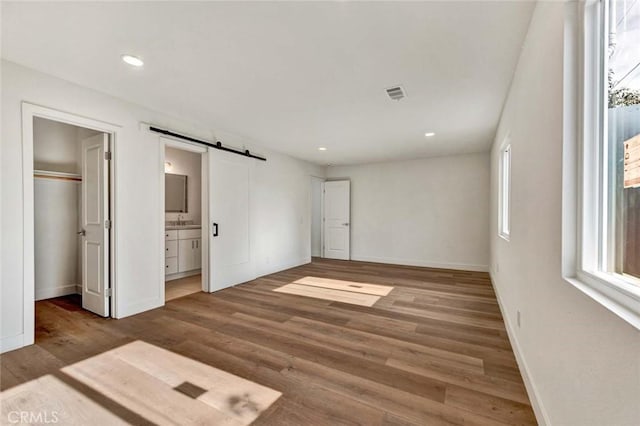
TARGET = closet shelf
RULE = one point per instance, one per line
(48, 174)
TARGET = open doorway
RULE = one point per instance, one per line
(71, 196)
(184, 213)
(98, 284)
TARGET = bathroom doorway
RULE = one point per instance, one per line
(185, 206)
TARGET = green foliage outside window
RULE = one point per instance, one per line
(622, 96)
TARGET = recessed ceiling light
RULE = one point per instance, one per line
(429, 134)
(132, 60)
(322, 148)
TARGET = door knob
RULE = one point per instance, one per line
(83, 232)
(345, 224)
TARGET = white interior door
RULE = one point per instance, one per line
(337, 213)
(229, 188)
(95, 213)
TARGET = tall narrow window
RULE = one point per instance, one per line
(505, 193)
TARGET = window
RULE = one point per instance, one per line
(504, 227)
(608, 241)
(622, 138)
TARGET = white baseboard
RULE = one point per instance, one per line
(48, 293)
(12, 342)
(284, 266)
(177, 276)
(425, 264)
(532, 390)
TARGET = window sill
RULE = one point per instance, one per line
(615, 294)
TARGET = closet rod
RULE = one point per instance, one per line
(45, 174)
(217, 145)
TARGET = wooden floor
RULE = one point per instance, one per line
(182, 287)
(433, 351)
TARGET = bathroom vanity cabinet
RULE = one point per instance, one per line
(183, 252)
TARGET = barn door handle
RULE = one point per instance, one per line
(215, 229)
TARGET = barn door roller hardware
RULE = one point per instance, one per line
(217, 145)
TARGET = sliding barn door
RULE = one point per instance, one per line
(95, 232)
(229, 238)
(337, 212)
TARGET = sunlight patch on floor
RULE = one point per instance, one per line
(147, 381)
(356, 293)
(48, 399)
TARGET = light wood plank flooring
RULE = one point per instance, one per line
(182, 287)
(433, 351)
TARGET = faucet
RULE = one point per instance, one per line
(180, 220)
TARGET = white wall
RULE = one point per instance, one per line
(189, 164)
(55, 146)
(429, 212)
(282, 194)
(581, 362)
(56, 248)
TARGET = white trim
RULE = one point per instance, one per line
(178, 275)
(29, 112)
(113, 145)
(532, 390)
(281, 267)
(183, 145)
(570, 150)
(204, 219)
(323, 180)
(49, 293)
(504, 197)
(162, 222)
(608, 296)
(422, 263)
(167, 142)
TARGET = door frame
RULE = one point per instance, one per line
(168, 141)
(29, 112)
(322, 180)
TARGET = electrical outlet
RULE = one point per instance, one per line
(518, 319)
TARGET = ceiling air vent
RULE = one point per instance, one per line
(396, 93)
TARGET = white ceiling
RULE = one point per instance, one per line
(292, 76)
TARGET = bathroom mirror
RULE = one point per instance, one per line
(175, 193)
